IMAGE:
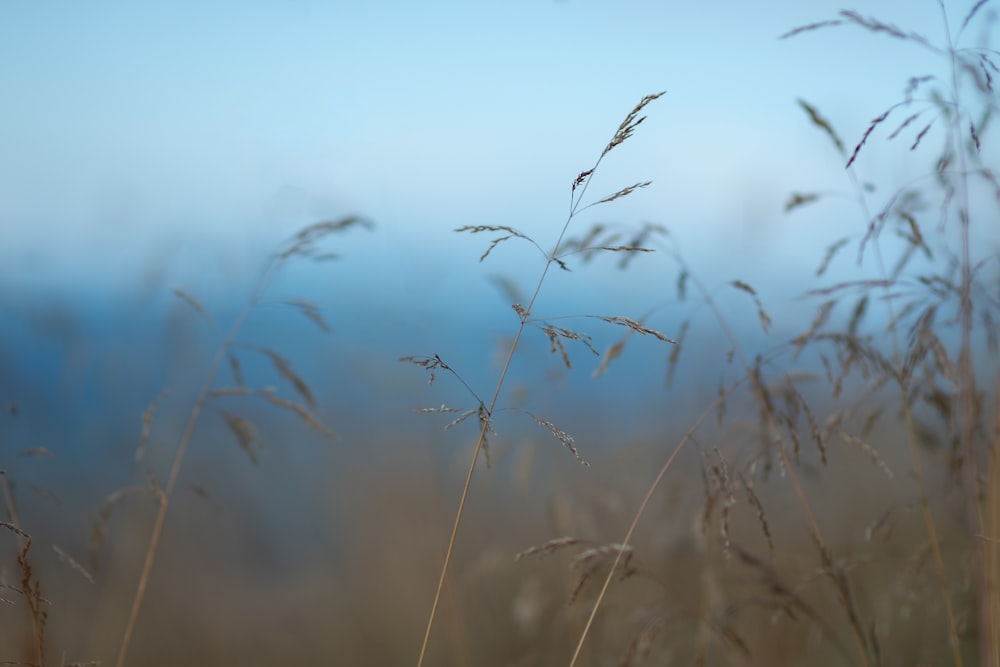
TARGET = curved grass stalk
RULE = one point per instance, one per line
(579, 189)
(753, 377)
(302, 244)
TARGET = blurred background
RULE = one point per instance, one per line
(150, 149)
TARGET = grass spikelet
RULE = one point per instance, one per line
(902, 126)
(875, 25)
(305, 243)
(555, 336)
(675, 352)
(631, 122)
(284, 368)
(821, 317)
(831, 252)
(430, 364)
(581, 177)
(192, 301)
(510, 231)
(245, 433)
(237, 370)
(563, 437)
(623, 321)
(624, 192)
(921, 135)
(548, 548)
(869, 451)
(762, 316)
(303, 413)
(819, 121)
(461, 418)
(871, 128)
(800, 199)
(972, 12)
(510, 290)
(810, 27)
(589, 561)
(637, 242)
(720, 409)
(612, 353)
(728, 496)
(147, 424)
(486, 427)
(754, 500)
(311, 310)
(73, 563)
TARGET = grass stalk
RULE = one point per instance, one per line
(576, 199)
(175, 469)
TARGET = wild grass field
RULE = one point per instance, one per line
(685, 484)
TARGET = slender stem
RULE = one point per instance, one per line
(967, 377)
(576, 196)
(175, 469)
(627, 540)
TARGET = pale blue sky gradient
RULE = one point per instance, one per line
(137, 134)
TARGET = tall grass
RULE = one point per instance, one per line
(560, 251)
(920, 365)
(854, 519)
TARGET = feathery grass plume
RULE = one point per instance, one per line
(30, 586)
(618, 557)
(510, 234)
(555, 336)
(602, 238)
(627, 127)
(918, 365)
(305, 244)
(578, 191)
(592, 558)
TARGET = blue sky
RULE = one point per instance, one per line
(198, 134)
(146, 147)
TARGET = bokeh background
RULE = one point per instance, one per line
(148, 148)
